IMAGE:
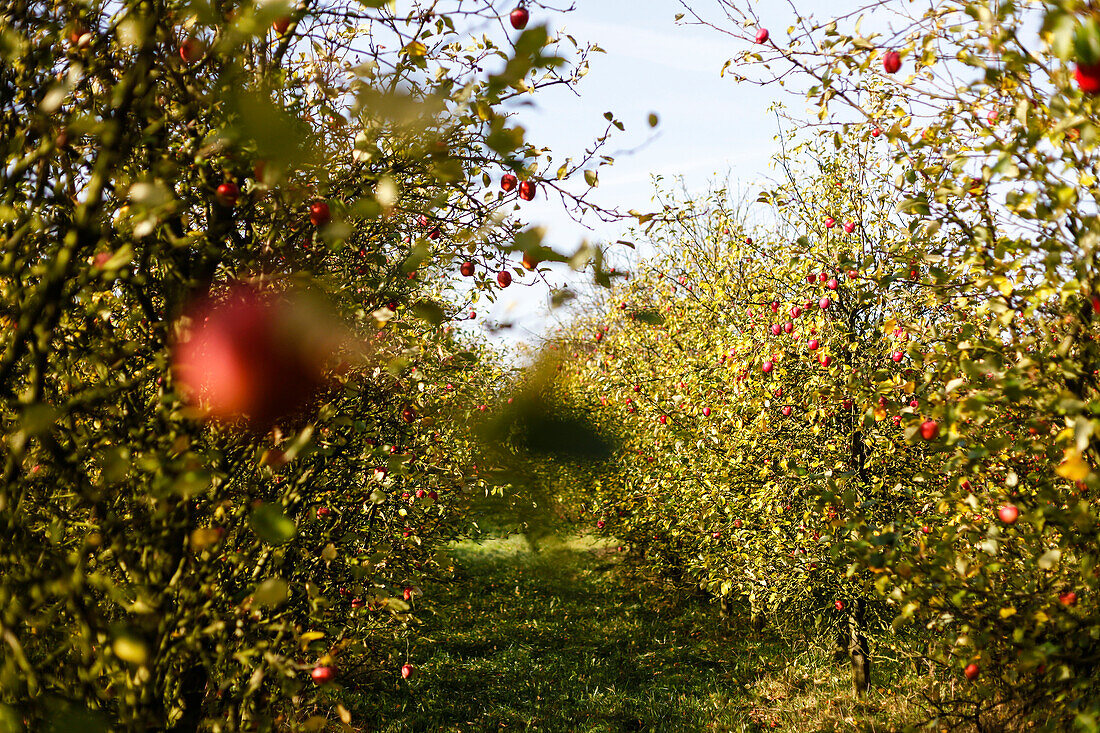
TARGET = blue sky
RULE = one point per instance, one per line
(709, 125)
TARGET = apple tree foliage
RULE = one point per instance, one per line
(739, 357)
(975, 523)
(235, 412)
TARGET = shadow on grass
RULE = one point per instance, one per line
(553, 641)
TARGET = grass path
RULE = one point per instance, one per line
(563, 640)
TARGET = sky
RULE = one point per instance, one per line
(710, 126)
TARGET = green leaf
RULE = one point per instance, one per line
(430, 311)
(271, 525)
(271, 593)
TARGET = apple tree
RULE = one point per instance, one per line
(234, 239)
(989, 114)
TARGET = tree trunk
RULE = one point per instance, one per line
(193, 695)
(858, 651)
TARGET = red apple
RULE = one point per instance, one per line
(891, 62)
(852, 274)
(972, 671)
(767, 367)
(762, 35)
(191, 50)
(530, 262)
(839, 605)
(227, 194)
(786, 410)
(250, 355)
(1008, 514)
(897, 356)
(1088, 78)
(80, 37)
(508, 182)
(830, 222)
(321, 675)
(929, 429)
(832, 284)
(775, 306)
(825, 360)
(824, 303)
(776, 329)
(319, 214)
(663, 419)
(467, 269)
(281, 24)
(849, 227)
(706, 412)
(1068, 598)
(876, 132)
(527, 190)
(504, 278)
(519, 18)
(788, 327)
(813, 344)
(406, 671)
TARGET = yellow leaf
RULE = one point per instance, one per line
(312, 636)
(1006, 612)
(204, 537)
(1073, 466)
(416, 49)
(880, 414)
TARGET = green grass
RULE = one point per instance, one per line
(568, 639)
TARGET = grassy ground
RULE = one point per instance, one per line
(565, 640)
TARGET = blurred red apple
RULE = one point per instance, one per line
(251, 355)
